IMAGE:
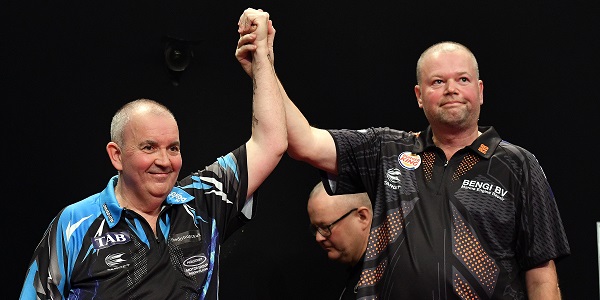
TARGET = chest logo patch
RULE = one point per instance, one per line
(114, 260)
(409, 160)
(110, 238)
(195, 264)
(190, 236)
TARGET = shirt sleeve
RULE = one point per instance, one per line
(220, 192)
(542, 235)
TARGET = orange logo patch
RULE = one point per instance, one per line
(483, 148)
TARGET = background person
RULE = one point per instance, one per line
(341, 226)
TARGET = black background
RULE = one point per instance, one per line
(67, 66)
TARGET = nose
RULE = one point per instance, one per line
(319, 237)
(451, 87)
(162, 158)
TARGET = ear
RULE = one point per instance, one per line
(365, 216)
(114, 154)
(480, 92)
(418, 95)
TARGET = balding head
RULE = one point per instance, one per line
(318, 193)
(125, 113)
(447, 46)
(347, 218)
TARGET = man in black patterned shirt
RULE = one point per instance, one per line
(459, 213)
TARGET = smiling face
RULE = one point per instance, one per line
(449, 90)
(149, 159)
(151, 156)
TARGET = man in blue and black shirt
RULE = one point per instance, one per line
(148, 235)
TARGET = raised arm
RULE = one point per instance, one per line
(268, 142)
(305, 143)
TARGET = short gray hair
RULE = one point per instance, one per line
(123, 115)
(446, 46)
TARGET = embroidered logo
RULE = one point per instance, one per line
(107, 212)
(483, 148)
(485, 188)
(392, 178)
(409, 160)
(113, 260)
(195, 264)
(393, 175)
(109, 239)
(176, 197)
(186, 237)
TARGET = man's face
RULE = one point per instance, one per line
(344, 243)
(151, 158)
(450, 92)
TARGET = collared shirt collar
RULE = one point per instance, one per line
(112, 210)
(484, 145)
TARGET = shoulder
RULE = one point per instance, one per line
(515, 150)
(88, 208)
(229, 166)
(519, 159)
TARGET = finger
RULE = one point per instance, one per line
(243, 21)
(244, 49)
(271, 29)
(246, 39)
(250, 18)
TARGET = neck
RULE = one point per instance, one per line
(132, 201)
(450, 142)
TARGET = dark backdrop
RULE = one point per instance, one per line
(68, 65)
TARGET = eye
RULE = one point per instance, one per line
(147, 148)
(464, 79)
(174, 149)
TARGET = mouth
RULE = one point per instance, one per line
(161, 176)
(326, 248)
(452, 103)
(161, 172)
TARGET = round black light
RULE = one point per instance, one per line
(178, 55)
